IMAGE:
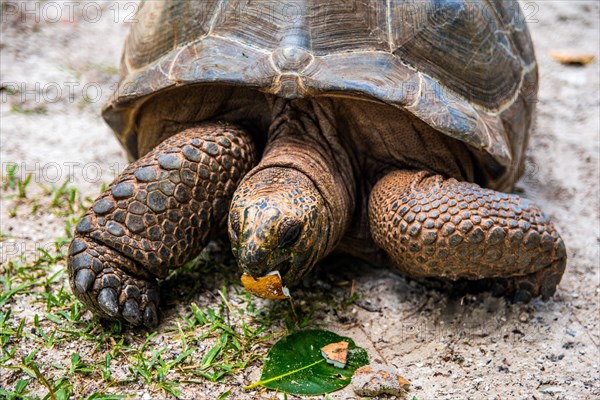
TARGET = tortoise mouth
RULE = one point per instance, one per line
(283, 265)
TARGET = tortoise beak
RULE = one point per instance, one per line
(256, 263)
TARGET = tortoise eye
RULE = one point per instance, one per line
(291, 234)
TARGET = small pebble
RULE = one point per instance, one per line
(368, 306)
(524, 317)
(551, 389)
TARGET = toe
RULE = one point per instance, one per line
(150, 316)
(100, 279)
(84, 280)
(522, 296)
(107, 300)
(548, 291)
(131, 312)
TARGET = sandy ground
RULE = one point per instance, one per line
(470, 347)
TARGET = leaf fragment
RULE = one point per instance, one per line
(336, 353)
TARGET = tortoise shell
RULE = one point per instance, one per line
(467, 69)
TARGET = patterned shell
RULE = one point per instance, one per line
(465, 68)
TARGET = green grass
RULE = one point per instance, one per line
(52, 348)
(10, 181)
(210, 343)
(37, 110)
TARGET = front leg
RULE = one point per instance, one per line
(431, 227)
(157, 215)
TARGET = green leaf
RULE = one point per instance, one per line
(295, 364)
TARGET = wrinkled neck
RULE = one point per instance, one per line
(303, 136)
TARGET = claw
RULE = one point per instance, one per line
(84, 280)
(150, 316)
(107, 300)
(131, 312)
(548, 291)
(522, 296)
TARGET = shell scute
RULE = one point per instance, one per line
(465, 68)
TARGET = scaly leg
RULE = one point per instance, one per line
(157, 215)
(431, 227)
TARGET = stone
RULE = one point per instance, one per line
(377, 379)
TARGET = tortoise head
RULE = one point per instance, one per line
(278, 221)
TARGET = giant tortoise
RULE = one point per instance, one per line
(389, 130)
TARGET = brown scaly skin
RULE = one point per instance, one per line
(336, 105)
(157, 215)
(295, 206)
(431, 227)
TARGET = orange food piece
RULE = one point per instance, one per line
(336, 353)
(268, 287)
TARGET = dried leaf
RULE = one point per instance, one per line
(336, 353)
(572, 57)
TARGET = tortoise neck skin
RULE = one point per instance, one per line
(296, 205)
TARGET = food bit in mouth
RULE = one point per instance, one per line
(268, 286)
(336, 353)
